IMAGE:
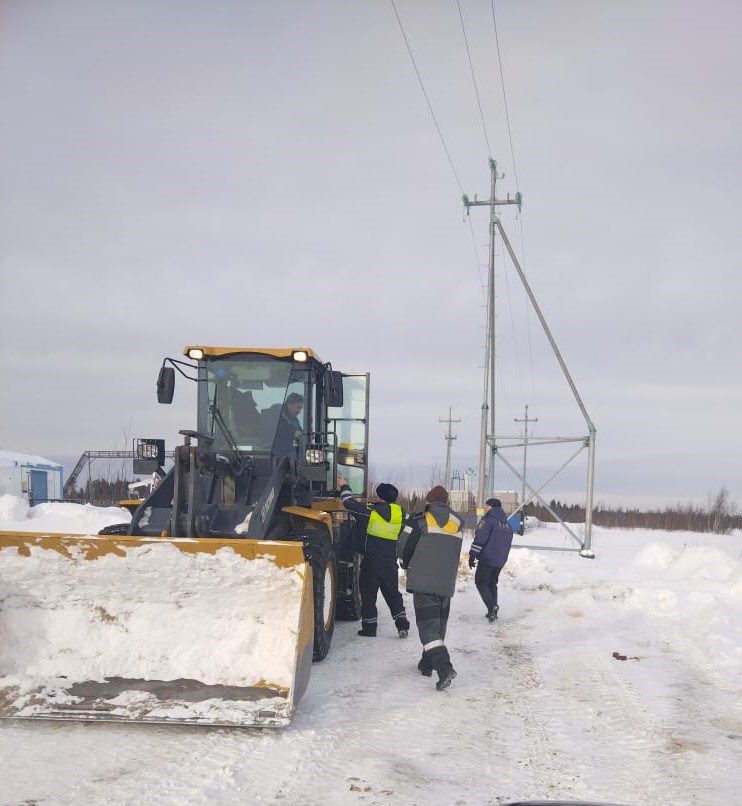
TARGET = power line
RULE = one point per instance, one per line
(440, 133)
(474, 80)
(427, 99)
(517, 187)
(504, 96)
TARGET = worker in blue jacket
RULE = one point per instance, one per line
(381, 522)
(489, 552)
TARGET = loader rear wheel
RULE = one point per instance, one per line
(324, 575)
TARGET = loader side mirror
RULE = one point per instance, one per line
(166, 385)
(334, 385)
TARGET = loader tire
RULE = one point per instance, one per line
(349, 600)
(324, 579)
(115, 529)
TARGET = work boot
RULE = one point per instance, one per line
(424, 666)
(440, 661)
(368, 632)
(492, 613)
(445, 678)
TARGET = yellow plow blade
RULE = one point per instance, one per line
(212, 631)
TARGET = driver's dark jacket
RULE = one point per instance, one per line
(287, 426)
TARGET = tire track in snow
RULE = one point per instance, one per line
(650, 745)
(701, 718)
(593, 703)
(116, 764)
(365, 726)
(526, 720)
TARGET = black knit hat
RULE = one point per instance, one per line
(387, 492)
(493, 502)
(437, 495)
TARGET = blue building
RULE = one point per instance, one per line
(31, 477)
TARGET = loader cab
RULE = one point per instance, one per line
(246, 403)
(285, 402)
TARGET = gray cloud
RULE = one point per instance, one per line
(235, 173)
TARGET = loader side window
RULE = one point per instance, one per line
(349, 423)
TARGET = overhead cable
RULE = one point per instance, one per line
(427, 99)
(474, 81)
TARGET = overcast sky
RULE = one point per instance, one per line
(270, 174)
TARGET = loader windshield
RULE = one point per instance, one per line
(254, 403)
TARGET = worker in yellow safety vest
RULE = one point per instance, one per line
(380, 523)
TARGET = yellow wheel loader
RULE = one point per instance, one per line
(211, 604)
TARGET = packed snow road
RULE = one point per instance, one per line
(614, 679)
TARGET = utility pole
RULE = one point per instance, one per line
(525, 420)
(488, 401)
(468, 476)
(449, 439)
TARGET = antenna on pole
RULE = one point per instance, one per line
(449, 439)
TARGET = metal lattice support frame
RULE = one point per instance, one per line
(491, 442)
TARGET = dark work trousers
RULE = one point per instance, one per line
(485, 578)
(431, 615)
(380, 573)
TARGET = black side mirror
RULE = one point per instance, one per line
(166, 385)
(334, 383)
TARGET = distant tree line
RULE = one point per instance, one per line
(719, 516)
(101, 492)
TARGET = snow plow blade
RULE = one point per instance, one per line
(208, 631)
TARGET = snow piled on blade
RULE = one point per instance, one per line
(154, 613)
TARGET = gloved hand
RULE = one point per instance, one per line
(472, 561)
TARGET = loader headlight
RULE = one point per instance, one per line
(300, 355)
(195, 353)
(314, 456)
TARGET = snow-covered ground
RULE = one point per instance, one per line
(614, 679)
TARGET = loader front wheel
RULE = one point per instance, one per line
(116, 529)
(324, 574)
(349, 602)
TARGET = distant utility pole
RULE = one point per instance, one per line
(525, 420)
(488, 403)
(449, 439)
